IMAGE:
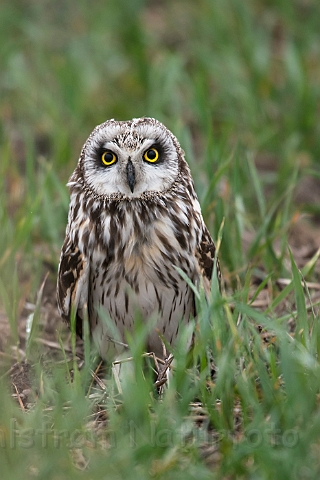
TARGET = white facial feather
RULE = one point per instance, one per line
(129, 141)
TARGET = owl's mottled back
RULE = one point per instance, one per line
(134, 216)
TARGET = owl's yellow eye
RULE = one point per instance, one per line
(108, 158)
(151, 155)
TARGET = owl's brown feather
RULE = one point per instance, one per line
(206, 254)
(73, 281)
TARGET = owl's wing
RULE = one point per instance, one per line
(73, 283)
(205, 255)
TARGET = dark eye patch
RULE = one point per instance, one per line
(98, 152)
(157, 146)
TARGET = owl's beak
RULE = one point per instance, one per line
(131, 175)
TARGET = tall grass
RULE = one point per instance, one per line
(237, 82)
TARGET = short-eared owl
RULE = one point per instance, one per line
(134, 216)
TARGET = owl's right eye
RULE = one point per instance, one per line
(108, 158)
(151, 155)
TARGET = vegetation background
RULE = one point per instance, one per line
(239, 84)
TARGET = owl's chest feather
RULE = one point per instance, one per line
(140, 276)
(136, 250)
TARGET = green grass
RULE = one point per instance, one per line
(238, 83)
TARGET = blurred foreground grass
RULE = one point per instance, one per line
(238, 83)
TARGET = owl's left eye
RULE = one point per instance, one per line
(108, 158)
(151, 155)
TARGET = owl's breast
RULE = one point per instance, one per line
(141, 278)
(133, 270)
(156, 248)
(132, 249)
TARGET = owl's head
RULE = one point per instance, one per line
(129, 159)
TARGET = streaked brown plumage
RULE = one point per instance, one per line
(134, 216)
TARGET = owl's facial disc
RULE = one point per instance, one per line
(130, 158)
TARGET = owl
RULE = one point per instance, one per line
(134, 217)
